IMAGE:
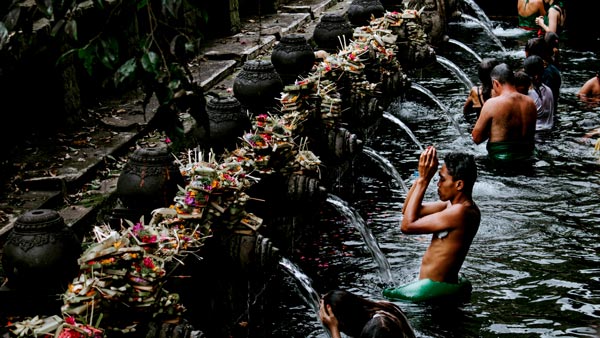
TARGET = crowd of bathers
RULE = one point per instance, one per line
(509, 108)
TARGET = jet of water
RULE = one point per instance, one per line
(306, 291)
(435, 99)
(386, 165)
(402, 125)
(465, 47)
(460, 74)
(487, 29)
(357, 221)
(480, 14)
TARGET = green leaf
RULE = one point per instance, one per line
(64, 56)
(3, 35)
(171, 7)
(126, 72)
(87, 57)
(45, 6)
(71, 29)
(150, 63)
(57, 26)
(12, 18)
(109, 52)
(174, 84)
(141, 4)
(99, 4)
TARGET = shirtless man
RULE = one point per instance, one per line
(453, 221)
(590, 89)
(507, 120)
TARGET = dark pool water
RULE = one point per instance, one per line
(535, 262)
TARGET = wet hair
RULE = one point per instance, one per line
(355, 316)
(551, 39)
(462, 166)
(503, 74)
(522, 80)
(485, 68)
(539, 47)
(534, 67)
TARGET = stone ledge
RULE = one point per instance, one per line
(210, 72)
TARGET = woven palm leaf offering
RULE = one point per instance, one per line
(122, 274)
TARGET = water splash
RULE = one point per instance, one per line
(386, 165)
(307, 292)
(435, 99)
(480, 13)
(460, 74)
(465, 47)
(357, 221)
(489, 32)
(404, 127)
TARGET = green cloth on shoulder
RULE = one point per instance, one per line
(427, 289)
(510, 151)
(528, 22)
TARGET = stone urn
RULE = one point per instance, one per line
(227, 121)
(40, 253)
(360, 11)
(329, 28)
(343, 144)
(149, 180)
(293, 56)
(258, 87)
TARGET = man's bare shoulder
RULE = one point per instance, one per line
(465, 211)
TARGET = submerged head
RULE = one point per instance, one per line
(358, 316)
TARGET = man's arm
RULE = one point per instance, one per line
(413, 208)
(481, 130)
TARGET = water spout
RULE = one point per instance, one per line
(404, 127)
(465, 47)
(386, 165)
(460, 74)
(487, 29)
(357, 221)
(435, 99)
(480, 14)
(307, 292)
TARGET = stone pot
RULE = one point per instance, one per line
(41, 252)
(227, 121)
(329, 28)
(149, 180)
(258, 87)
(293, 56)
(360, 11)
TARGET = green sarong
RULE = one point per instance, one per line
(427, 289)
(510, 151)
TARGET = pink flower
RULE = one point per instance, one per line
(148, 263)
(190, 200)
(137, 228)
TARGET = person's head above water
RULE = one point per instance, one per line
(534, 67)
(485, 67)
(522, 82)
(503, 74)
(539, 47)
(462, 166)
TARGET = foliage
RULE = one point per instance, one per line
(120, 44)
